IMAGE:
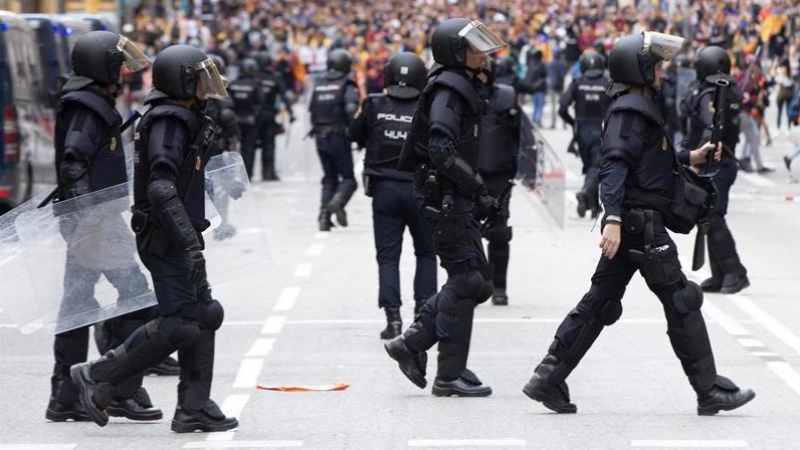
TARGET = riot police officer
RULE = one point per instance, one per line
(168, 218)
(644, 193)
(506, 72)
(442, 150)
(728, 275)
(381, 126)
(497, 164)
(89, 158)
(334, 101)
(274, 94)
(247, 99)
(588, 95)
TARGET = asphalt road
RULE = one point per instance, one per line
(312, 319)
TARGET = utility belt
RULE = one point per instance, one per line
(658, 269)
(152, 237)
(324, 130)
(450, 228)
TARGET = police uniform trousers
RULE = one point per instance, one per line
(187, 322)
(722, 254)
(601, 306)
(72, 347)
(333, 148)
(499, 235)
(248, 145)
(394, 209)
(267, 137)
(446, 317)
(589, 146)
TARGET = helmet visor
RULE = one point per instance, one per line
(211, 82)
(135, 59)
(664, 46)
(480, 38)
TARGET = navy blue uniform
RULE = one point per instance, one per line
(247, 103)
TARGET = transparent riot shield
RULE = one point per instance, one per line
(542, 171)
(81, 256)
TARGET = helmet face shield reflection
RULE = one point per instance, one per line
(480, 38)
(663, 46)
(135, 59)
(212, 84)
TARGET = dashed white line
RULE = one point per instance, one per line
(287, 298)
(273, 325)
(772, 324)
(467, 443)
(303, 270)
(687, 443)
(771, 354)
(249, 370)
(750, 343)
(261, 347)
(725, 321)
(786, 373)
(232, 407)
(315, 249)
(38, 446)
(244, 444)
(321, 235)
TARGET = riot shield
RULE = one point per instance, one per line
(82, 260)
(543, 172)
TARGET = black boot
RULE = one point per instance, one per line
(583, 203)
(724, 395)
(139, 407)
(554, 397)
(418, 304)
(499, 297)
(336, 206)
(69, 409)
(733, 283)
(324, 220)
(209, 419)
(167, 368)
(413, 365)
(711, 285)
(394, 323)
(89, 390)
(467, 385)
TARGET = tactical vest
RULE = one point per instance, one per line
(191, 180)
(702, 96)
(268, 84)
(107, 167)
(591, 102)
(388, 123)
(415, 149)
(327, 101)
(499, 133)
(244, 99)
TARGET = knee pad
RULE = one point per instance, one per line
(487, 289)
(211, 315)
(499, 235)
(177, 331)
(689, 298)
(610, 312)
(460, 294)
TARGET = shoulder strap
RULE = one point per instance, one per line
(635, 103)
(464, 88)
(96, 103)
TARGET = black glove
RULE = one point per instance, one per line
(486, 205)
(196, 264)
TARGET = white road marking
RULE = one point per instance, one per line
(322, 235)
(764, 354)
(751, 343)
(221, 436)
(687, 443)
(467, 443)
(38, 446)
(287, 298)
(315, 249)
(244, 444)
(273, 325)
(786, 373)
(249, 370)
(232, 407)
(261, 347)
(756, 179)
(772, 324)
(303, 270)
(242, 323)
(728, 323)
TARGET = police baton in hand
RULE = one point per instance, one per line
(125, 125)
(501, 200)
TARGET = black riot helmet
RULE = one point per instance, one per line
(249, 67)
(99, 56)
(712, 60)
(179, 69)
(339, 60)
(264, 59)
(633, 58)
(593, 64)
(406, 76)
(452, 37)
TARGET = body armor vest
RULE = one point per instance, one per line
(327, 101)
(500, 134)
(388, 123)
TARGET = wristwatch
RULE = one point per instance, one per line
(613, 219)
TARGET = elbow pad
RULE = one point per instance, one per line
(456, 169)
(171, 215)
(74, 179)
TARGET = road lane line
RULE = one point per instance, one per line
(728, 323)
(244, 323)
(261, 347)
(467, 443)
(773, 325)
(687, 443)
(37, 446)
(232, 407)
(249, 370)
(315, 249)
(244, 444)
(322, 235)
(786, 373)
(273, 325)
(303, 270)
(287, 298)
(751, 343)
